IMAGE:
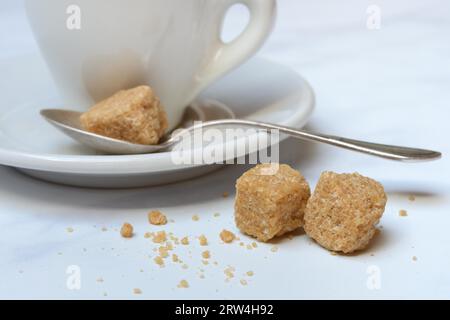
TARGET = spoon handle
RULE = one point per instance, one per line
(375, 149)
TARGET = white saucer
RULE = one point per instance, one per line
(259, 90)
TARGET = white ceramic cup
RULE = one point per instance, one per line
(95, 48)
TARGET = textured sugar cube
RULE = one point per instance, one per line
(134, 115)
(270, 202)
(344, 210)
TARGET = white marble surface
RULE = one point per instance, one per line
(388, 85)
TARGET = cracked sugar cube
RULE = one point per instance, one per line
(270, 201)
(344, 210)
(134, 115)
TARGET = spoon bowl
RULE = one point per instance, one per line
(68, 122)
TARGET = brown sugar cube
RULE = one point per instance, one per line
(344, 210)
(134, 115)
(127, 230)
(270, 202)
(157, 218)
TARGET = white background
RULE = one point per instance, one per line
(390, 85)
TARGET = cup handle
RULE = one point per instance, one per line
(229, 55)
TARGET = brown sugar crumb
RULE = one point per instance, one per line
(183, 284)
(414, 258)
(229, 272)
(249, 247)
(241, 244)
(203, 240)
(160, 237)
(148, 235)
(344, 210)
(159, 261)
(403, 213)
(69, 230)
(270, 201)
(127, 230)
(225, 195)
(185, 241)
(227, 236)
(250, 273)
(206, 254)
(163, 252)
(157, 218)
(243, 282)
(137, 291)
(411, 197)
(195, 218)
(205, 262)
(274, 249)
(254, 245)
(134, 115)
(175, 258)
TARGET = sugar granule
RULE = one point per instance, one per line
(203, 240)
(185, 241)
(206, 254)
(159, 261)
(183, 284)
(127, 230)
(157, 218)
(137, 291)
(160, 237)
(227, 236)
